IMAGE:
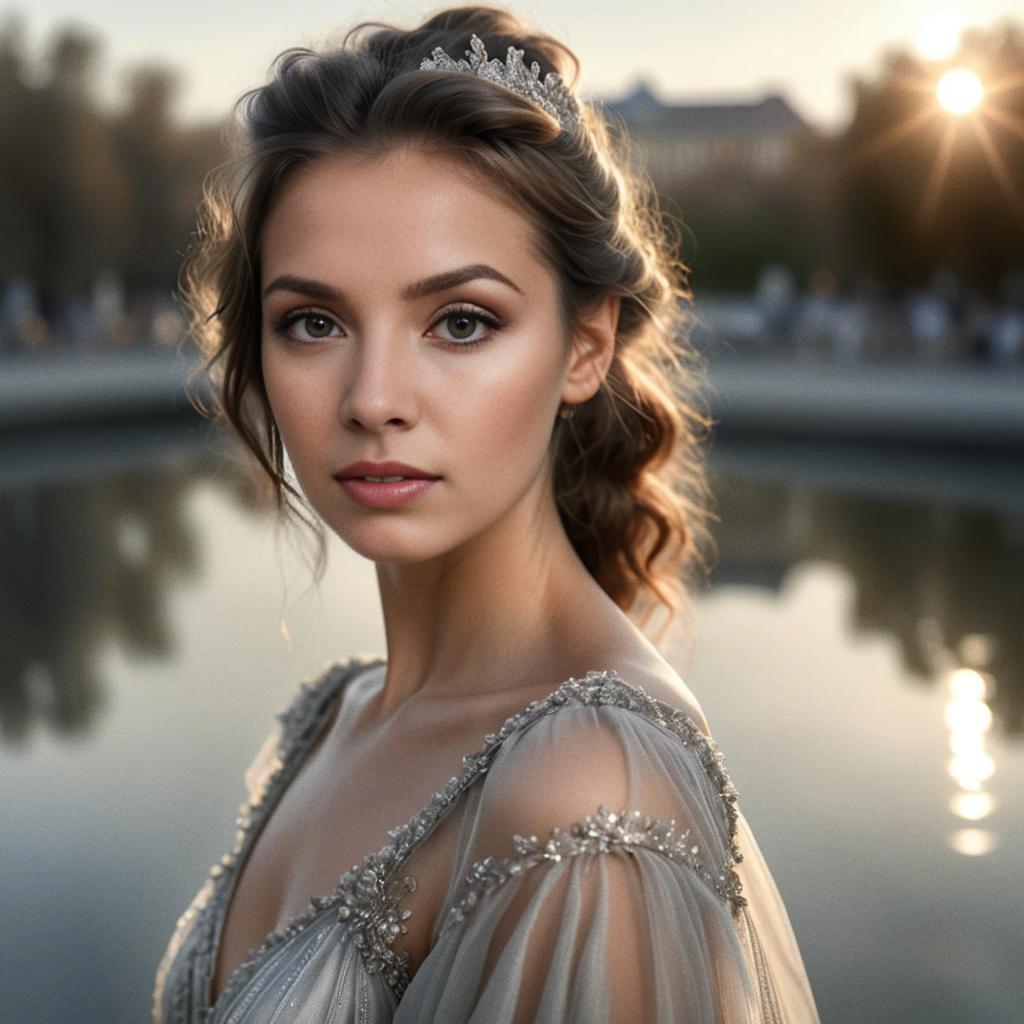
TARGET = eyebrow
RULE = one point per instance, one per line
(419, 289)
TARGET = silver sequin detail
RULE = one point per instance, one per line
(370, 903)
(300, 723)
(369, 896)
(603, 832)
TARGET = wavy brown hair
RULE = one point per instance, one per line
(629, 475)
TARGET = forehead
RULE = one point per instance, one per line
(401, 214)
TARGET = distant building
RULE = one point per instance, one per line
(679, 142)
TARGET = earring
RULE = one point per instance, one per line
(567, 412)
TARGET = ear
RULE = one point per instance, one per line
(593, 346)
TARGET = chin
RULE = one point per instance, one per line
(399, 543)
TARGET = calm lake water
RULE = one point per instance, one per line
(859, 656)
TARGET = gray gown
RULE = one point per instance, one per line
(602, 871)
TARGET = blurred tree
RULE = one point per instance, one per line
(17, 109)
(921, 188)
(83, 189)
(12, 55)
(78, 169)
(146, 143)
(58, 172)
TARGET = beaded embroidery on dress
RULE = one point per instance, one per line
(675, 830)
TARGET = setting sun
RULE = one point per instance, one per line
(960, 90)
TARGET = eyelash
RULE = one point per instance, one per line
(495, 325)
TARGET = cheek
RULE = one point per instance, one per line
(298, 401)
(505, 418)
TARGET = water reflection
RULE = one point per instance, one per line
(973, 842)
(141, 596)
(972, 806)
(932, 574)
(968, 718)
(944, 579)
(92, 537)
(89, 560)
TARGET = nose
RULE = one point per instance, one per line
(378, 390)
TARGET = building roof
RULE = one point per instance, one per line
(771, 115)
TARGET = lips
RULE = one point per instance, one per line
(385, 495)
(364, 468)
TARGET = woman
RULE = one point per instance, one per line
(435, 286)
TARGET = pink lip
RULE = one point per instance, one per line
(391, 468)
(381, 495)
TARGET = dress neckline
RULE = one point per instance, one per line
(368, 896)
(303, 722)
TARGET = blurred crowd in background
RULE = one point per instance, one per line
(939, 323)
(899, 236)
(105, 317)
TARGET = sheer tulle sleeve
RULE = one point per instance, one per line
(596, 881)
(267, 758)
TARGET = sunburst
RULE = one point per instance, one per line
(996, 162)
(943, 156)
(960, 90)
(964, 97)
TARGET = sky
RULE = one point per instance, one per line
(688, 52)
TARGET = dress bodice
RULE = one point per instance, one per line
(337, 960)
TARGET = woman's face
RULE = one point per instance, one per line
(368, 353)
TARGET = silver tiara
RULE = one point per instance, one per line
(551, 94)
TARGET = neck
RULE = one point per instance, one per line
(505, 610)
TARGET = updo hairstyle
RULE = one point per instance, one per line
(629, 477)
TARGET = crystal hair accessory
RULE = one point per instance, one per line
(550, 95)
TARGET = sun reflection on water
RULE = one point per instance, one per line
(968, 718)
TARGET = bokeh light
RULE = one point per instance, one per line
(938, 38)
(973, 842)
(972, 806)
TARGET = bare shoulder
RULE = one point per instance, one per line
(661, 681)
(637, 664)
